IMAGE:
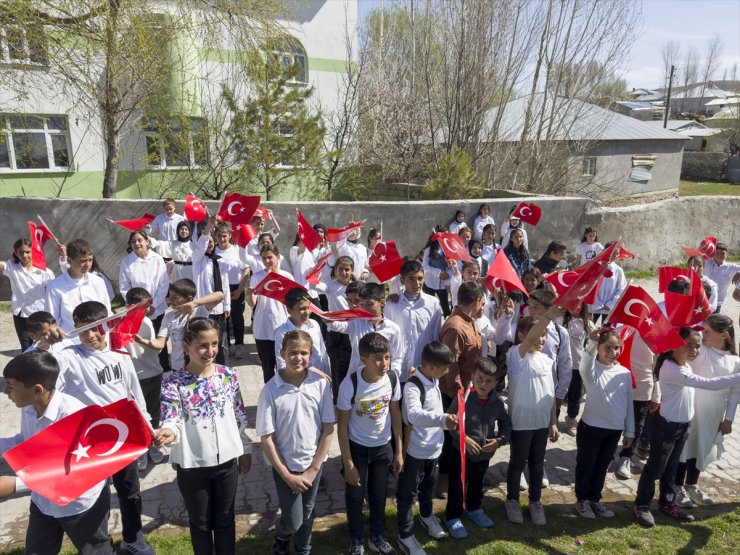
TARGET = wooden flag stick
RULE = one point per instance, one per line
(43, 223)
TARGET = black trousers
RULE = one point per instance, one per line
(237, 316)
(575, 389)
(339, 349)
(209, 494)
(666, 443)
(444, 298)
(19, 322)
(126, 482)
(88, 531)
(687, 473)
(374, 465)
(474, 472)
(596, 448)
(223, 341)
(527, 448)
(152, 388)
(417, 479)
(445, 458)
(266, 352)
(164, 354)
(641, 410)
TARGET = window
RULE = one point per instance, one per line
(23, 46)
(589, 166)
(294, 63)
(642, 167)
(176, 143)
(34, 142)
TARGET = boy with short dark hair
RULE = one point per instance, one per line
(163, 228)
(30, 381)
(42, 326)
(426, 421)
(369, 418)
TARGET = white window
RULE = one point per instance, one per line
(642, 167)
(589, 166)
(294, 62)
(23, 46)
(34, 142)
(176, 143)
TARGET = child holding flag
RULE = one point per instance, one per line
(487, 427)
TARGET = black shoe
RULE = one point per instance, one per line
(281, 546)
(677, 512)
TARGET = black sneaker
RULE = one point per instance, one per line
(643, 515)
(380, 545)
(677, 512)
(356, 548)
(281, 546)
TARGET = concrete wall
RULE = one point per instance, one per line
(704, 165)
(654, 231)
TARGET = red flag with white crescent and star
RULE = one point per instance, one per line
(195, 209)
(589, 279)
(502, 272)
(707, 248)
(666, 274)
(527, 212)
(40, 234)
(342, 315)
(385, 262)
(334, 235)
(237, 208)
(312, 276)
(137, 223)
(276, 286)
(453, 246)
(306, 233)
(687, 310)
(123, 333)
(243, 234)
(69, 457)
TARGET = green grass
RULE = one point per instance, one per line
(688, 188)
(5, 307)
(717, 530)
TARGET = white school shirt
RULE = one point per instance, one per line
(479, 224)
(203, 272)
(506, 234)
(300, 265)
(370, 416)
(609, 291)
(252, 248)
(427, 434)
(283, 408)
(60, 406)
(28, 288)
(164, 227)
(145, 359)
(149, 273)
(357, 329)
(608, 395)
(64, 294)
(419, 320)
(358, 254)
(98, 377)
(335, 294)
(721, 275)
(677, 385)
(269, 314)
(182, 251)
(531, 389)
(431, 274)
(713, 292)
(487, 332)
(234, 262)
(173, 327)
(456, 226)
(489, 252)
(588, 252)
(642, 361)
(319, 357)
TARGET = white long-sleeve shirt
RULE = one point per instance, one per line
(609, 291)
(28, 287)
(64, 294)
(269, 314)
(427, 435)
(721, 275)
(479, 224)
(608, 394)
(150, 273)
(203, 273)
(358, 254)
(357, 329)
(319, 357)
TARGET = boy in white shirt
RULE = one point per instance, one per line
(298, 303)
(369, 418)
(164, 228)
(30, 381)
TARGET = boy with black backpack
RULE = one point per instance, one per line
(425, 419)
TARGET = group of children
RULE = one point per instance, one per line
(392, 384)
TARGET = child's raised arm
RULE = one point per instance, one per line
(536, 331)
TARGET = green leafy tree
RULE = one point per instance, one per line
(454, 178)
(275, 137)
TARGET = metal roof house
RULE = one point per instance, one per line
(615, 155)
(695, 131)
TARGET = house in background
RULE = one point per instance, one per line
(642, 111)
(694, 98)
(697, 133)
(718, 104)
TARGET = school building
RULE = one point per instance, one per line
(52, 143)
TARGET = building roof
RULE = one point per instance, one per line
(635, 105)
(723, 101)
(702, 91)
(690, 128)
(564, 119)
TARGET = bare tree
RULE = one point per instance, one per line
(689, 68)
(669, 53)
(709, 66)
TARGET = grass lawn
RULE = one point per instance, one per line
(716, 531)
(689, 188)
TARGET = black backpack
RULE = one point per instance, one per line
(353, 377)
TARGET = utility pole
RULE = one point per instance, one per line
(668, 99)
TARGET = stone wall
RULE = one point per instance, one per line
(704, 165)
(654, 231)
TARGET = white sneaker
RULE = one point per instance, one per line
(142, 463)
(155, 454)
(624, 470)
(433, 527)
(411, 546)
(523, 485)
(545, 479)
(682, 497)
(698, 495)
(571, 426)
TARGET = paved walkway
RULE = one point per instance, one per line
(257, 503)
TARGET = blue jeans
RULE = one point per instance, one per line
(296, 513)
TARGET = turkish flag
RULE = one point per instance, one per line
(342, 315)
(69, 457)
(237, 208)
(306, 233)
(123, 333)
(262, 212)
(452, 246)
(589, 279)
(312, 276)
(707, 248)
(666, 274)
(627, 339)
(561, 281)
(527, 212)
(136, 224)
(334, 235)
(501, 274)
(195, 209)
(636, 308)
(686, 310)
(40, 234)
(624, 254)
(385, 262)
(243, 234)
(275, 286)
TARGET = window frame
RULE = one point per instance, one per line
(9, 132)
(290, 56)
(6, 60)
(588, 169)
(154, 133)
